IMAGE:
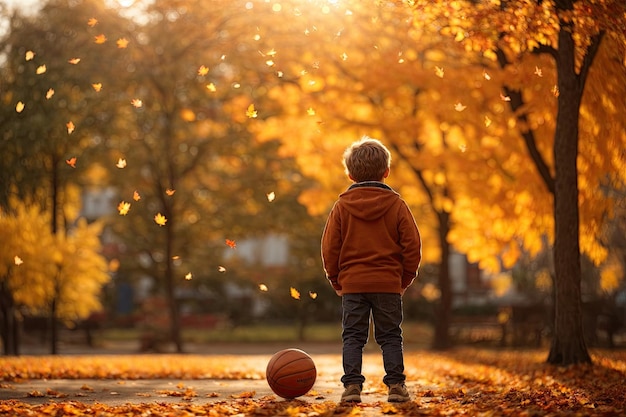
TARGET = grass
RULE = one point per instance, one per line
(414, 333)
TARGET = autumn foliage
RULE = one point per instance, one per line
(460, 382)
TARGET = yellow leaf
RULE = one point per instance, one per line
(263, 287)
(123, 207)
(136, 195)
(92, 22)
(313, 295)
(100, 39)
(211, 87)
(71, 162)
(439, 72)
(294, 293)
(18, 261)
(97, 86)
(538, 72)
(310, 111)
(74, 61)
(459, 107)
(19, 107)
(203, 70)
(221, 269)
(49, 93)
(121, 163)
(41, 69)
(160, 219)
(136, 102)
(122, 43)
(70, 127)
(189, 276)
(170, 192)
(29, 55)
(251, 112)
(271, 196)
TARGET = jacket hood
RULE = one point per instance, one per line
(368, 200)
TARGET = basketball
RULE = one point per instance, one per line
(290, 373)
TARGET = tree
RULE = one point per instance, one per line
(571, 33)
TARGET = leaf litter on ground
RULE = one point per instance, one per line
(462, 381)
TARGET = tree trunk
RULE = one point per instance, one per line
(568, 343)
(54, 328)
(8, 326)
(171, 288)
(443, 309)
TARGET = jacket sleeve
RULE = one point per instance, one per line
(411, 243)
(331, 247)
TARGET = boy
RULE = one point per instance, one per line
(371, 251)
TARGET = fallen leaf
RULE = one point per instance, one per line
(71, 162)
(160, 219)
(294, 293)
(251, 112)
(123, 208)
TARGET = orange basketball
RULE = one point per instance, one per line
(290, 373)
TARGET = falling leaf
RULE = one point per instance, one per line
(136, 102)
(18, 261)
(271, 196)
(74, 61)
(459, 107)
(251, 112)
(294, 293)
(270, 63)
(221, 269)
(555, 91)
(211, 87)
(231, 243)
(486, 76)
(160, 219)
(188, 276)
(71, 162)
(504, 98)
(313, 295)
(41, 69)
(344, 57)
(29, 55)
(538, 72)
(487, 121)
(121, 163)
(122, 43)
(19, 107)
(136, 195)
(100, 39)
(310, 111)
(92, 22)
(123, 207)
(49, 93)
(439, 72)
(263, 287)
(203, 70)
(97, 86)
(70, 127)
(170, 192)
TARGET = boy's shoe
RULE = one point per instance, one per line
(352, 393)
(398, 393)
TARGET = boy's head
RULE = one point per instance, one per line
(367, 160)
